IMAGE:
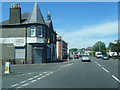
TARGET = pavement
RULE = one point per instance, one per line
(73, 74)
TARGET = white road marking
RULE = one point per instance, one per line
(99, 65)
(47, 74)
(51, 72)
(108, 72)
(44, 72)
(39, 78)
(43, 76)
(25, 84)
(66, 65)
(30, 78)
(116, 78)
(33, 81)
(18, 87)
(36, 76)
(95, 62)
(105, 69)
(14, 85)
(23, 81)
(40, 74)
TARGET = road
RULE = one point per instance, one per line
(95, 74)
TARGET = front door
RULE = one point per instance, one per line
(37, 55)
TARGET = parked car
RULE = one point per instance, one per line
(105, 57)
(76, 56)
(85, 58)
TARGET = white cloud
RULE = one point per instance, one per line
(90, 35)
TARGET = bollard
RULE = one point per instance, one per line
(7, 67)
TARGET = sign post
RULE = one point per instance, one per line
(7, 67)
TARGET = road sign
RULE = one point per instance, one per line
(7, 67)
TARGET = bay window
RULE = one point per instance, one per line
(33, 31)
(39, 31)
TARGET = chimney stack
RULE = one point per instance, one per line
(15, 14)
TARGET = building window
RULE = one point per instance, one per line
(39, 29)
(33, 31)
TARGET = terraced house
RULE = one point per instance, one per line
(28, 37)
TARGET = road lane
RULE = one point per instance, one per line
(28, 72)
(111, 65)
(78, 75)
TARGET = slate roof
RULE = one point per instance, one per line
(36, 16)
(27, 18)
(24, 18)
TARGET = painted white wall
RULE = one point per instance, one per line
(20, 41)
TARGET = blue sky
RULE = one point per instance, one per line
(81, 24)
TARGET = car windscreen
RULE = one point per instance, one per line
(85, 55)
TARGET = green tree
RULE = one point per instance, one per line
(73, 49)
(115, 47)
(99, 47)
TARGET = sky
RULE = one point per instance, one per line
(81, 24)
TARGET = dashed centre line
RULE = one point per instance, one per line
(116, 78)
(107, 71)
(99, 65)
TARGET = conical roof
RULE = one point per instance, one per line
(36, 16)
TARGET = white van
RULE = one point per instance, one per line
(98, 54)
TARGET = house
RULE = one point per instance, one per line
(62, 48)
(33, 38)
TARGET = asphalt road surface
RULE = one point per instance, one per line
(95, 74)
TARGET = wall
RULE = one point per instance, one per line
(13, 32)
(8, 52)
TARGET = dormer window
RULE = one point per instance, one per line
(33, 31)
(39, 31)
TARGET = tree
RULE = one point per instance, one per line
(73, 49)
(112, 47)
(99, 47)
(115, 47)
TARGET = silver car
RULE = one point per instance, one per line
(85, 58)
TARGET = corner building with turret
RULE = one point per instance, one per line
(29, 37)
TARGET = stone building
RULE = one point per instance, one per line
(33, 38)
